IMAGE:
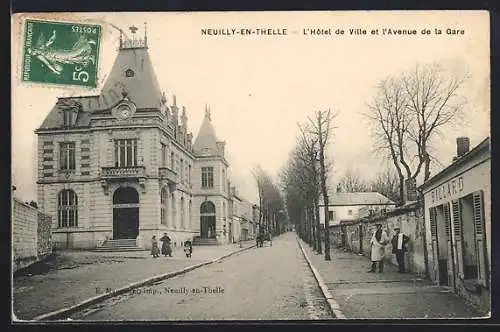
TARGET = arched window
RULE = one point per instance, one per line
(164, 200)
(207, 207)
(67, 207)
(183, 208)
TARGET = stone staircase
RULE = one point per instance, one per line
(119, 245)
(199, 241)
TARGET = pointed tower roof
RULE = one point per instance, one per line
(133, 73)
(206, 141)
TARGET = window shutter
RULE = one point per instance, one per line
(435, 248)
(447, 226)
(482, 267)
(457, 232)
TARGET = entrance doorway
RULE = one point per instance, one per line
(207, 220)
(125, 213)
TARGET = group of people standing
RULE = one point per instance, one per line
(166, 248)
(380, 240)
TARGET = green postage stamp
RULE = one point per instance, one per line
(61, 53)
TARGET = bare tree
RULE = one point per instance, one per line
(351, 182)
(433, 101)
(408, 111)
(386, 183)
(322, 128)
(270, 201)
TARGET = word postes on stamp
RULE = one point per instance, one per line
(61, 53)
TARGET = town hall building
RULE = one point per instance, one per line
(122, 165)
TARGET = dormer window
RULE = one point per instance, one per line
(129, 73)
(205, 150)
(68, 118)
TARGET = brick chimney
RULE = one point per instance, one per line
(463, 145)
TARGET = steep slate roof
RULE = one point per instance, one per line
(55, 120)
(361, 198)
(206, 138)
(142, 89)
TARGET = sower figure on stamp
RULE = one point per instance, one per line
(399, 242)
(379, 241)
(166, 249)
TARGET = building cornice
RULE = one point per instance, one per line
(73, 130)
(480, 148)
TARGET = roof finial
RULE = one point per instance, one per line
(174, 100)
(207, 112)
(145, 34)
(163, 98)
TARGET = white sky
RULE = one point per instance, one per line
(260, 87)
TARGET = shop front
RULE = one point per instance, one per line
(458, 225)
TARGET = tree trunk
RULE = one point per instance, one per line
(313, 228)
(427, 166)
(401, 189)
(318, 225)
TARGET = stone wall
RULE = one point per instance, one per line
(355, 235)
(31, 235)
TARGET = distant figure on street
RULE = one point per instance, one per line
(188, 248)
(379, 241)
(399, 242)
(209, 233)
(155, 251)
(166, 249)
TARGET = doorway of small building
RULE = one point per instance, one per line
(125, 213)
(445, 263)
(343, 236)
(360, 239)
(207, 220)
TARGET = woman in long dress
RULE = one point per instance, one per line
(379, 241)
(155, 251)
(166, 249)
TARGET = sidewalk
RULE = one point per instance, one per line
(75, 276)
(383, 295)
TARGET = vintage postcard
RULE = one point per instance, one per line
(210, 166)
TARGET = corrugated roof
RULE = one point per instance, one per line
(360, 198)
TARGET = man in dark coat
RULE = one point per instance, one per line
(166, 249)
(399, 242)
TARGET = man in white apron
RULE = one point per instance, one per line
(379, 241)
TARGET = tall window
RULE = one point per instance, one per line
(68, 118)
(189, 174)
(173, 223)
(190, 211)
(67, 207)
(172, 157)
(182, 171)
(223, 178)
(164, 198)
(183, 208)
(207, 177)
(164, 155)
(68, 156)
(330, 215)
(125, 152)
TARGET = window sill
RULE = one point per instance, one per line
(67, 229)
